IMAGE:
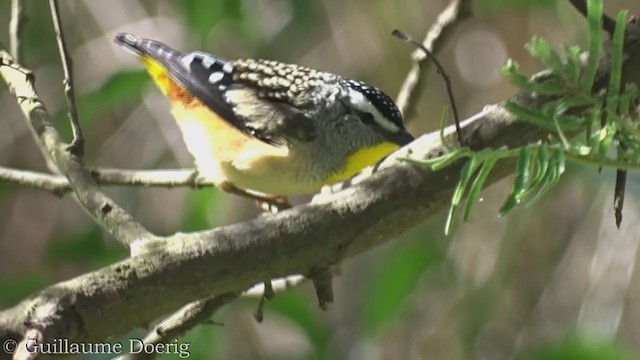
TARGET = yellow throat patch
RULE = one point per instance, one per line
(361, 159)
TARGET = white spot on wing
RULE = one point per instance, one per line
(216, 76)
(187, 60)
(208, 61)
(228, 68)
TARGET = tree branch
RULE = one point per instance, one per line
(77, 145)
(180, 322)
(16, 26)
(59, 185)
(453, 15)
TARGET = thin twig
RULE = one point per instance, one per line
(55, 184)
(447, 82)
(447, 21)
(16, 26)
(189, 316)
(608, 24)
(59, 185)
(112, 217)
(16, 29)
(618, 195)
(77, 145)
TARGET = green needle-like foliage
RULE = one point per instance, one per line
(608, 118)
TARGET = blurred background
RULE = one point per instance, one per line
(553, 280)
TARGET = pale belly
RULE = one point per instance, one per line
(224, 154)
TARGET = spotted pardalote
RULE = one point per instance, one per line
(263, 128)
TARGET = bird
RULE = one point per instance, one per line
(265, 129)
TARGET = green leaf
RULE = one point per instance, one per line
(627, 99)
(443, 161)
(541, 49)
(519, 185)
(537, 118)
(543, 185)
(558, 159)
(512, 73)
(573, 65)
(562, 105)
(548, 86)
(595, 44)
(617, 53)
(478, 185)
(604, 139)
(465, 175)
(542, 164)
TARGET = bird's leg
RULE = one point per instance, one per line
(271, 203)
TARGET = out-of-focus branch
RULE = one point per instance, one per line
(16, 26)
(112, 217)
(59, 185)
(456, 12)
(55, 184)
(180, 322)
(77, 145)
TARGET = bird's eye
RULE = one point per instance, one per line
(366, 118)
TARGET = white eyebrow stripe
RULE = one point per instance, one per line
(360, 102)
